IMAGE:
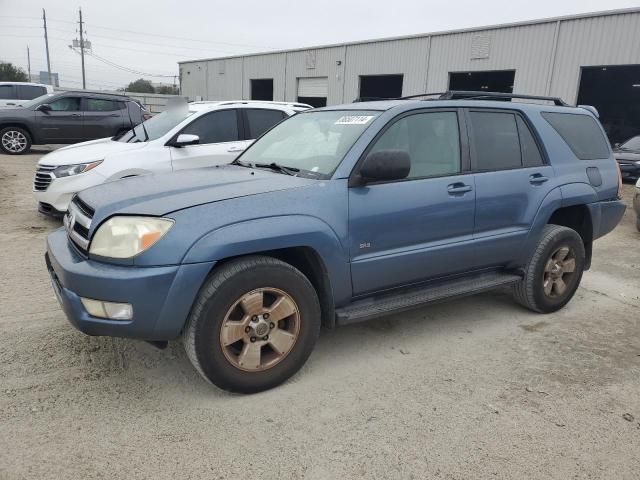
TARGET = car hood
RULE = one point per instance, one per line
(88, 151)
(161, 194)
(628, 156)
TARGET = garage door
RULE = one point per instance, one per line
(313, 87)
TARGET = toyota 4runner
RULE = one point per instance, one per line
(338, 215)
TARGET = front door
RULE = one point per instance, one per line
(512, 180)
(220, 141)
(63, 123)
(417, 229)
(103, 118)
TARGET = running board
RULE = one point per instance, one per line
(409, 298)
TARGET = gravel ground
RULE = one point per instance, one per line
(475, 388)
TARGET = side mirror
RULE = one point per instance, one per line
(185, 139)
(44, 108)
(385, 165)
(616, 145)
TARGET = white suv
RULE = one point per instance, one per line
(198, 134)
(14, 94)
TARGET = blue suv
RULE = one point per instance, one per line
(338, 215)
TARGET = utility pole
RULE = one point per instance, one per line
(46, 43)
(84, 85)
(28, 62)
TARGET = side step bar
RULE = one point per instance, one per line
(409, 298)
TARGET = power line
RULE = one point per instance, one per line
(126, 69)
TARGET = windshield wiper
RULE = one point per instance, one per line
(241, 163)
(279, 168)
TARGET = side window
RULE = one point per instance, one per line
(7, 92)
(215, 127)
(581, 133)
(531, 156)
(97, 105)
(66, 104)
(495, 140)
(261, 120)
(431, 139)
(29, 92)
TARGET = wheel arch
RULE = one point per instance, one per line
(305, 242)
(21, 125)
(310, 263)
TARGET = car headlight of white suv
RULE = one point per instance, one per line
(69, 170)
(126, 237)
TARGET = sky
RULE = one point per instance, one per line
(134, 39)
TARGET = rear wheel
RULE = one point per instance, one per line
(14, 141)
(554, 272)
(253, 325)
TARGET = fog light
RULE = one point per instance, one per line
(110, 310)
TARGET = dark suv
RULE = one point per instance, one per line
(67, 117)
(334, 216)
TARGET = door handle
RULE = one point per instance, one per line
(75, 114)
(458, 188)
(236, 149)
(537, 179)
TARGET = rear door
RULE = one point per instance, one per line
(63, 123)
(102, 118)
(220, 140)
(512, 177)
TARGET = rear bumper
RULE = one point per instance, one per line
(161, 297)
(605, 216)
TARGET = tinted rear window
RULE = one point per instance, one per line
(29, 92)
(261, 120)
(582, 134)
(496, 142)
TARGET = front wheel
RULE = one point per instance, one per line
(14, 141)
(253, 325)
(554, 271)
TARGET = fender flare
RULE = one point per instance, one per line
(276, 233)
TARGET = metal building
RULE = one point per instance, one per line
(587, 59)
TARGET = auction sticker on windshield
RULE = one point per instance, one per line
(354, 120)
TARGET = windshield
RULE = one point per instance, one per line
(38, 100)
(311, 141)
(632, 144)
(155, 127)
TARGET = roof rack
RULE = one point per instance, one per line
(472, 95)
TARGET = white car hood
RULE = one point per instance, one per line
(88, 152)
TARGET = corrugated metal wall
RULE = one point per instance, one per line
(546, 56)
(611, 40)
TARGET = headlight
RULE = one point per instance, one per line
(126, 237)
(68, 170)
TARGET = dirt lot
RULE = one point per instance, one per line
(476, 388)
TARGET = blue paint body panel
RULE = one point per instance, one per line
(369, 238)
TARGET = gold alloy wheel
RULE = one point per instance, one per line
(260, 329)
(559, 272)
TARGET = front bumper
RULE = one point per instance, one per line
(161, 296)
(58, 194)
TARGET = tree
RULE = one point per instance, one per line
(141, 86)
(11, 73)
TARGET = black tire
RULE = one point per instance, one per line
(10, 147)
(530, 292)
(202, 334)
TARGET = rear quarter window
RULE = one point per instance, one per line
(581, 133)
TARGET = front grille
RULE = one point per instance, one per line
(77, 222)
(43, 178)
